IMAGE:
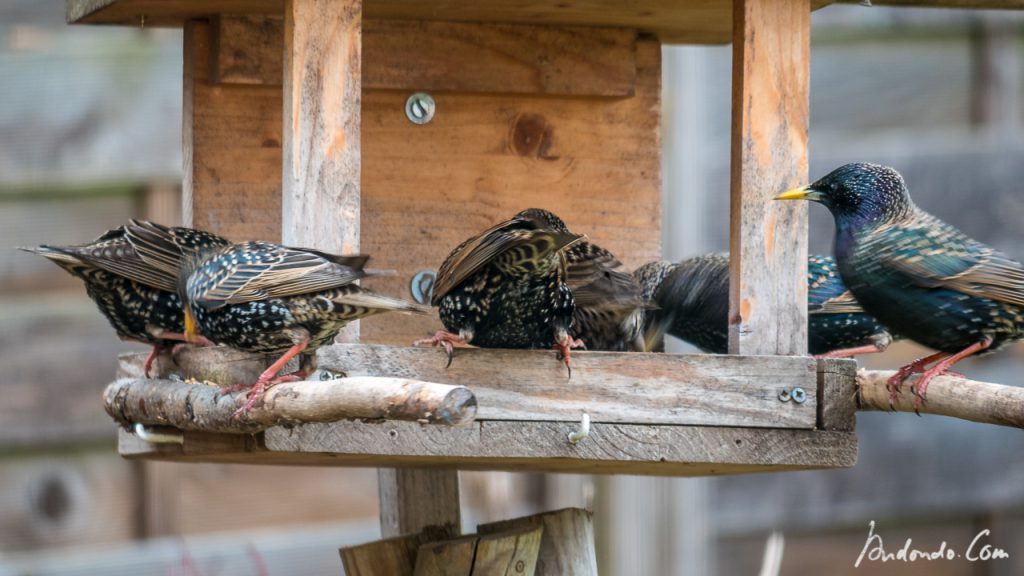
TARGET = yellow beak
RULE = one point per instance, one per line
(191, 333)
(800, 193)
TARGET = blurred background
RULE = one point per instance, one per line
(91, 135)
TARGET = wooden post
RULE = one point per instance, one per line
(411, 500)
(768, 240)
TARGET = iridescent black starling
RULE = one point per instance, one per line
(507, 287)
(267, 298)
(137, 298)
(923, 278)
(690, 301)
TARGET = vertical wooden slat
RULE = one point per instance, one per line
(322, 105)
(768, 240)
(411, 500)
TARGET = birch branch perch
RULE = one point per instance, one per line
(200, 407)
(947, 396)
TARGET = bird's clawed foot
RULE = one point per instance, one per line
(447, 340)
(895, 382)
(260, 388)
(563, 348)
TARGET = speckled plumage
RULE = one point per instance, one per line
(136, 311)
(268, 298)
(506, 287)
(922, 277)
(609, 306)
(133, 291)
(690, 301)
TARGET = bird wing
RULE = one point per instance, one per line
(259, 270)
(933, 254)
(113, 252)
(826, 293)
(475, 253)
(166, 248)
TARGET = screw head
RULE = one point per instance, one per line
(784, 395)
(799, 395)
(419, 108)
(422, 286)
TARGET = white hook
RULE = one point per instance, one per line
(158, 437)
(583, 432)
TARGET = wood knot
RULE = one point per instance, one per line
(532, 137)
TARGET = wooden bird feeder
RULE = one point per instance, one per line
(301, 124)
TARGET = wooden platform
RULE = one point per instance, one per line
(660, 414)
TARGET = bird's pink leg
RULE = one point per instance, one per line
(157, 349)
(564, 345)
(848, 352)
(921, 385)
(446, 340)
(267, 379)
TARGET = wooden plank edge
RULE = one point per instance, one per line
(687, 451)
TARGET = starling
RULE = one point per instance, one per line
(507, 287)
(138, 299)
(690, 301)
(920, 276)
(267, 298)
(609, 304)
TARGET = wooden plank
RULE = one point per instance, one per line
(411, 500)
(519, 447)
(611, 387)
(511, 552)
(322, 111)
(681, 389)
(232, 150)
(691, 22)
(446, 558)
(395, 556)
(566, 544)
(768, 240)
(449, 56)
(837, 394)
(247, 49)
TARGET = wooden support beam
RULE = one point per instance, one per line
(411, 500)
(768, 240)
(201, 407)
(322, 112)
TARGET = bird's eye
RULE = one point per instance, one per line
(833, 187)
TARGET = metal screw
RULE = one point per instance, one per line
(799, 395)
(422, 286)
(419, 108)
(784, 395)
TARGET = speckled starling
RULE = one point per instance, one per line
(507, 287)
(267, 298)
(690, 301)
(137, 298)
(920, 276)
(609, 305)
